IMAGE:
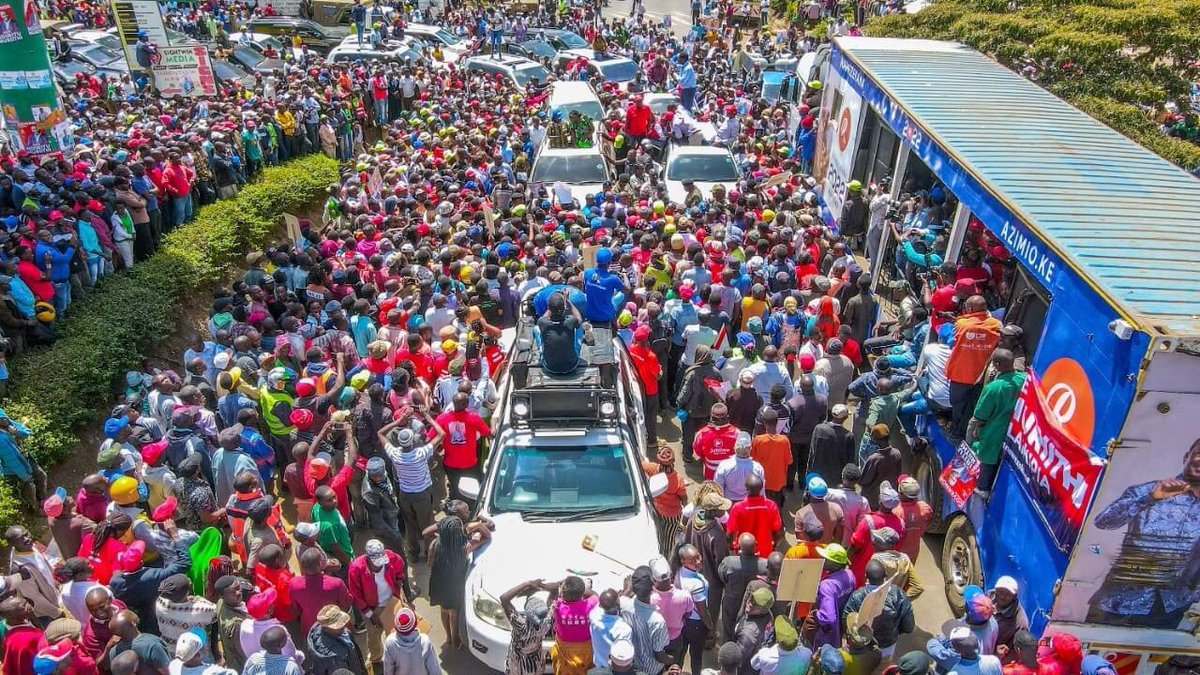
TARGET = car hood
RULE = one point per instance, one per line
(267, 65)
(520, 551)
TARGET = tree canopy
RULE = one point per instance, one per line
(1117, 60)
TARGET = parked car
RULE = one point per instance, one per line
(253, 60)
(583, 171)
(268, 45)
(349, 52)
(453, 47)
(228, 72)
(103, 59)
(705, 165)
(560, 39)
(609, 68)
(569, 95)
(520, 71)
(313, 34)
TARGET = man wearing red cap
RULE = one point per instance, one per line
(649, 371)
(409, 651)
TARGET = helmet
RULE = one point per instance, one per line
(143, 33)
(306, 387)
(556, 115)
(815, 85)
(659, 207)
(519, 210)
(44, 312)
(124, 490)
(855, 186)
(768, 215)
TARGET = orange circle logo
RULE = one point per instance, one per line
(845, 123)
(1069, 398)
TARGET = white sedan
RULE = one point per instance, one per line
(705, 165)
(658, 103)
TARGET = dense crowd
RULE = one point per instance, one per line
(265, 506)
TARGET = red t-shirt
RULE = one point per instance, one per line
(714, 444)
(760, 517)
(463, 431)
(21, 645)
(862, 542)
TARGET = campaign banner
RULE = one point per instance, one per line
(1059, 473)
(961, 475)
(185, 71)
(133, 16)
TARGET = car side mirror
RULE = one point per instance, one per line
(468, 487)
(658, 484)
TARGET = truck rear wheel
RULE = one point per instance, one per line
(961, 564)
(926, 471)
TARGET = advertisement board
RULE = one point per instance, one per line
(841, 141)
(1058, 472)
(185, 71)
(137, 15)
(34, 119)
(1136, 563)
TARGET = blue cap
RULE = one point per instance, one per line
(817, 487)
(603, 257)
(745, 339)
(114, 425)
(946, 334)
(832, 661)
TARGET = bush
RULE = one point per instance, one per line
(60, 390)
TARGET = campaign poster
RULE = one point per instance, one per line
(36, 140)
(1058, 472)
(133, 16)
(840, 135)
(1136, 563)
(33, 20)
(10, 28)
(185, 71)
(961, 475)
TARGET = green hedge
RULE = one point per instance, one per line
(63, 389)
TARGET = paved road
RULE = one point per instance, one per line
(931, 608)
(678, 10)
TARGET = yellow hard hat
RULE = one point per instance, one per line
(124, 490)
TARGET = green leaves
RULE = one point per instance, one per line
(60, 390)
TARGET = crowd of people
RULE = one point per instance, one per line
(265, 506)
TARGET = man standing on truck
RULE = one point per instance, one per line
(989, 423)
(358, 14)
(976, 334)
(1153, 579)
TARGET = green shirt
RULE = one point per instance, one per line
(883, 409)
(994, 409)
(333, 530)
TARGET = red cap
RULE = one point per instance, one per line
(259, 605)
(305, 387)
(965, 287)
(166, 510)
(301, 419)
(153, 452)
(807, 362)
(95, 206)
(687, 292)
(642, 334)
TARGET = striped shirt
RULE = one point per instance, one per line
(411, 468)
(649, 634)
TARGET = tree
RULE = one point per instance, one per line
(1119, 61)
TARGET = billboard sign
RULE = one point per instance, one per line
(185, 71)
(138, 15)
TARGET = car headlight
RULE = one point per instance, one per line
(490, 611)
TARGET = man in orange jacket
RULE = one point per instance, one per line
(976, 334)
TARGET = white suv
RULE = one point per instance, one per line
(565, 464)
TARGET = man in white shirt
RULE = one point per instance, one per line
(732, 473)
(607, 627)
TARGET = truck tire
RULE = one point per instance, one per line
(961, 564)
(926, 470)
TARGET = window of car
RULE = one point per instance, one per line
(618, 71)
(248, 57)
(525, 75)
(571, 40)
(574, 169)
(563, 480)
(98, 54)
(711, 168)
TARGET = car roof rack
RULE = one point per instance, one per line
(597, 367)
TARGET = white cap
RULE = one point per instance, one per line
(222, 360)
(840, 410)
(622, 653)
(660, 569)
(188, 645)
(1007, 583)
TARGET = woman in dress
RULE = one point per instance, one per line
(449, 555)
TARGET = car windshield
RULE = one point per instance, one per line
(539, 48)
(112, 42)
(659, 105)
(591, 108)
(563, 480)
(448, 38)
(574, 169)
(249, 57)
(618, 71)
(707, 168)
(225, 71)
(572, 41)
(770, 90)
(524, 75)
(99, 54)
(265, 42)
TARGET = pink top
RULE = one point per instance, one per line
(674, 605)
(571, 619)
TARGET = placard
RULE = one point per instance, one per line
(138, 15)
(799, 578)
(587, 253)
(778, 179)
(293, 227)
(961, 475)
(873, 604)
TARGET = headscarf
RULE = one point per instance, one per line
(704, 359)
(826, 319)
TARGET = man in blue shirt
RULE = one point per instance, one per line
(602, 290)
(15, 463)
(687, 83)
